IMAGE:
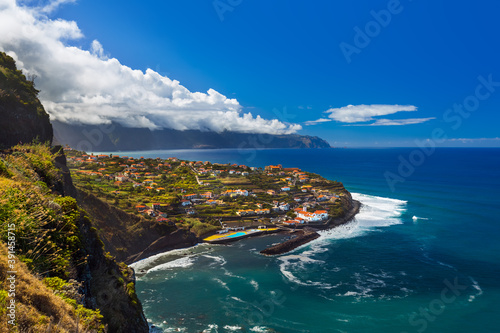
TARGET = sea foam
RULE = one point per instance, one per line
(178, 263)
(376, 212)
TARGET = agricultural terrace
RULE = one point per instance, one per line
(207, 196)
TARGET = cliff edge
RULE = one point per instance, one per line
(23, 117)
(64, 279)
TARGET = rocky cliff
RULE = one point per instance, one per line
(56, 240)
(22, 116)
(66, 280)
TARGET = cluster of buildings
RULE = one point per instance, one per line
(235, 193)
(253, 212)
(141, 173)
(155, 211)
(303, 216)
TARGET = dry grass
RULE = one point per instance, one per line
(38, 308)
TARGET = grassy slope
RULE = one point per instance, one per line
(55, 240)
(37, 305)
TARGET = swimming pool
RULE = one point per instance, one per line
(238, 234)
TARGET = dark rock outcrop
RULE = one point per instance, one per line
(22, 116)
(108, 286)
(176, 240)
(301, 237)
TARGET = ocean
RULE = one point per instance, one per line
(423, 254)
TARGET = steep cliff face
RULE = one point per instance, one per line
(116, 137)
(22, 116)
(56, 240)
(108, 286)
(129, 237)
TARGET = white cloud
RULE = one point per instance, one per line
(396, 122)
(52, 5)
(473, 140)
(84, 86)
(364, 113)
(314, 122)
(97, 50)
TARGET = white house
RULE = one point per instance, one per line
(284, 206)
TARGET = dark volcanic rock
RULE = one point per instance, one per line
(303, 236)
(22, 116)
(105, 285)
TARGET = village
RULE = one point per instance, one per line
(221, 197)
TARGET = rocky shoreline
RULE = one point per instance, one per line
(308, 234)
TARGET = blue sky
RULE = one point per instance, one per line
(283, 59)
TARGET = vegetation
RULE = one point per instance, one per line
(49, 243)
(44, 235)
(48, 240)
(17, 93)
(14, 85)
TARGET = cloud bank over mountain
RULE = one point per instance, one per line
(81, 86)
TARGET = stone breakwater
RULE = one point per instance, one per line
(302, 237)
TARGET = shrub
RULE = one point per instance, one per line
(3, 301)
(4, 172)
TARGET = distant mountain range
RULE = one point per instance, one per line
(115, 137)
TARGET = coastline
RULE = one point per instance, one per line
(308, 233)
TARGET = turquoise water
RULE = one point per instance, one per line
(238, 234)
(423, 256)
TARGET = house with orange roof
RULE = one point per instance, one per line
(245, 212)
(274, 167)
(322, 197)
(323, 214)
(233, 193)
(318, 215)
(156, 206)
(290, 223)
(185, 202)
